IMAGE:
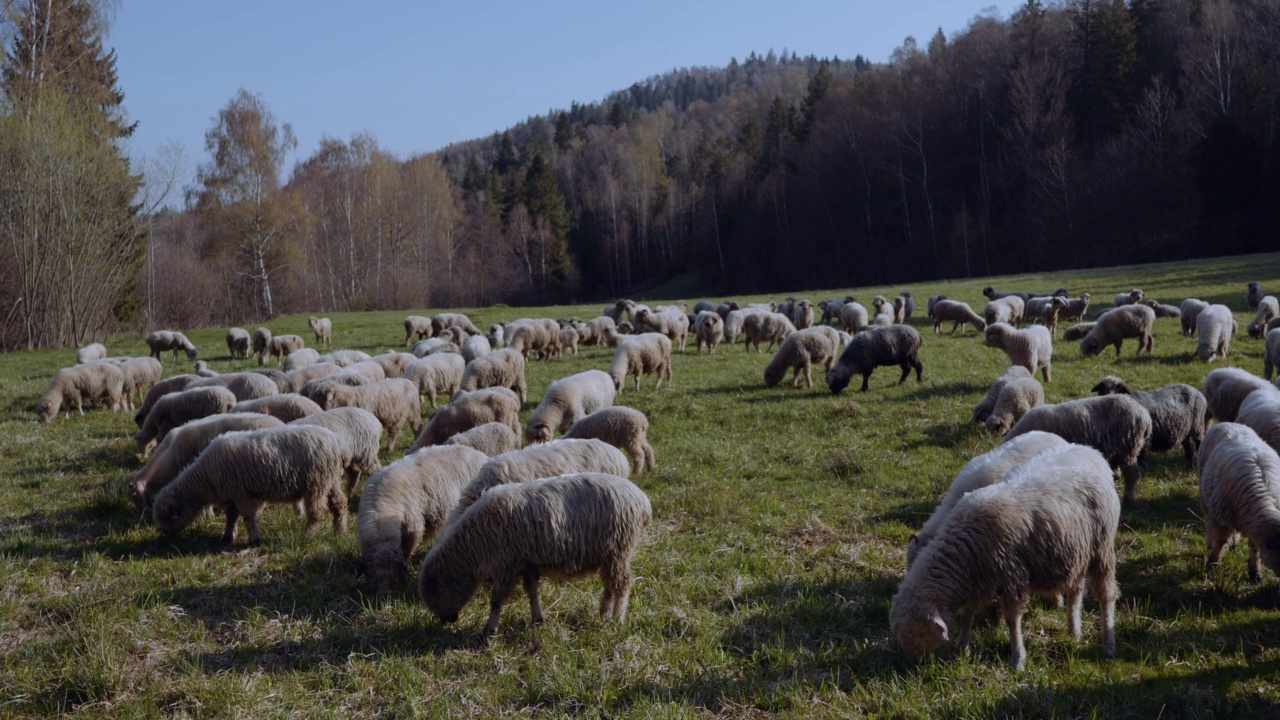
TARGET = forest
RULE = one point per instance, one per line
(1076, 134)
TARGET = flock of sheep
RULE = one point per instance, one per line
(1038, 515)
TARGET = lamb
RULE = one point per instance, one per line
(1225, 389)
(1179, 414)
(1215, 327)
(479, 346)
(1162, 310)
(362, 433)
(1046, 310)
(177, 409)
(567, 400)
(458, 320)
(982, 471)
(801, 351)
(802, 315)
(895, 345)
(593, 333)
(280, 347)
(1133, 297)
(622, 427)
(1049, 529)
(640, 354)
(406, 503)
(394, 402)
(1078, 331)
(957, 313)
(243, 471)
(490, 438)
(1075, 309)
(433, 346)
(243, 385)
(501, 368)
(674, 325)
(709, 329)
(1008, 309)
(469, 410)
(1271, 354)
(285, 407)
(91, 352)
(1115, 425)
(562, 527)
(1031, 348)
(987, 405)
(770, 327)
(1015, 399)
(345, 358)
(181, 447)
(1191, 309)
(569, 338)
(323, 329)
(162, 340)
(1253, 296)
(1268, 309)
(437, 375)
(1240, 494)
(1261, 412)
(298, 359)
(174, 384)
(1130, 321)
(417, 325)
(94, 382)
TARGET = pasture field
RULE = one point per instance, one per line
(762, 587)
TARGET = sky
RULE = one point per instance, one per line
(420, 75)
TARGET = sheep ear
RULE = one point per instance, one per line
(939, 628)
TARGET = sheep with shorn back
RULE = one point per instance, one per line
(95, 382)
(984, 408)
(91, 352)
(622, 427)
(560, 527)
(490, 438)
(1048, 529)
(406, 503)
(800, 352)
(1032, 348)
(1240, 495)
(1114, 327)
(638, 355)
(1225, 389)
(180, 408)
(1179, 414)
(285, 407)
(469, 410)
(894, 345)
(1253, 295)
(500, 368)
(1215, 327)
(243, 471)
(567, 400)
(1015, 399)
(162, 340)
(438, 375)
(1268, 310)
(957, 313)
(771, 328)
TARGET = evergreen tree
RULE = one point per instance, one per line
(779, 129)
(617, 114)
(546, 205)
(819, 85)
(564, 131)
(1104, 91)
(508, 159)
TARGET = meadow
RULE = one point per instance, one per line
(762, 587)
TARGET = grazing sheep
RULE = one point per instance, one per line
(1225, 389)
(455, 335)
(181, 447)
(1133, 297)
(280, 347)
(595, 331)
(1078, 331)
(734, 321)
(417, 325)
(95, 382)
(801, 351)
(726, 307)
(567, 400)
(1268, 310)
(243, 471)
(394, 402)
(1271, 353)
(895, 345)
(283, 382)
(177, 409)
(299, 359)
(490, 438)
(1191, 309)
(469, 410)
(982, 471)
(957, 313)
(933, 300)
(500, 368)
(709, 330)
(1048, 529)
(1015, 399)
(140, 375)
(1261, 412)
(98, 351)
(1130, 321)
(904, 306)
(1008, 309)
(243, 385)
(1046, 310)
(622, 427)
(535, 336)
(569, 338)
(285, 407)
(479, 346)
(1253, 296)
(497, 333)
(162, 340)
(406, 503)
(457, 320)
(323, 329)
(830, 311)
(362, 433)
(371, 370)
(802, 314)
(261, 337)
(618, 309)
(640, 354)
(238, 342)
(203, 370)
(1031, 348)
(316, 371)
(770, 327)
(984, 408)
(1179, 414)
(1163, 311)
(174, 384)
(560, 527)
(1240, 495)
(345, 358)
(674, 325)
(787, 306)
(433, 346)
(1215, 327)
(437, 375)
(1115, 425)
(394, 364)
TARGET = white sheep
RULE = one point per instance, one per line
(541, 337)
(345, 358)
(394, 402)
(802, 314)
(362, 433)
(1179, 414)
(468, 410)
(640, 354)
(622, 427)
(417, 325)
(853, 318)
(299, 359)
(955, 312)
(675, 325)
(1225, 389)
(244, 385)
(500, 368)
(567, 400)
(801, 351)
(1112, 328)
(432, 346)
(1046, 310)
(91, 352)
(99, 382)
(593, 333)
(1015, 399)
(441, 321)
(1261, 412)
(323, 329)
(455, 335)
(771, 328)
(174, 384)
(1253, 295)
(315, 371)
(140, 375)
(394, 364)
(709, 330)
(285, 407)
(1271, 353)
(1075, 309)
(1215, 327)
(1008, 309)
(1240, 494)
(479, 346)
(984, 408)
(1268, 310)
(1162, 310)
(1133, 297)
(734, 321)
(261, 337)
(1032, 348)
(569, 339)
(490, 438)
(162, 340)
(1191, 309)
(437, 375)
(177, 409)
(497, 335)
(280, 347)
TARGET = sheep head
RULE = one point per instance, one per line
(444, 592)
(921, 632)
(774, 373)
(541, 432)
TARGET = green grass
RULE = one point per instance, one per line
(762, 590)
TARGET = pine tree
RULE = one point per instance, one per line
(564, 131)
(547, 211)
(819, 85)
(1104, 91)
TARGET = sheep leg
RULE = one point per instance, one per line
(1013, 607)
(616, 578)
(1216, 538)
(966, 629)
(650, 461)
(502, 589)
(1046, 371)
(906, 371)
(1074, 601)
(338, 508)
(1103, 585)
(1189, 447)
(1118, 344)
(1255, 563)
(531, 589)
(350, 475)
(251, 517)
(233, 516)
(808, 373)
(866, 380)
(1132, 473)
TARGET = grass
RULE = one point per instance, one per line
(763, 586)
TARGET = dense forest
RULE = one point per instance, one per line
(1076, 134)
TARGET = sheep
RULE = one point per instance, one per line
(441, 321)
(1215, 327)
(316, 371)
(680, 307)
(1271, 353)
(992, 294)
(957, 313)
(703, 306)
(433, 346)
(261, 337)
(726, 307)
(567, 400)
(174, 384)
(181, 447)
(455, 335)
(177, 409)
(802, 350)
(734, 321)
(500, 368)
(490, 438)
(406, 503)
(1115, 425)
(593, 333)
(1240, 494)
(1225, 389)
(437, 375)
(1031, 348)
(469, 410)
(417, 325)
(1015, 399)
(569, 338)
(1130, 321)
(564, 526)
(770, 327)
(535, 336)
(323, 329)
(984, 408)
(622, 427)
(1253, 296)
(92, 351)
(371, 370)
(1008, 309)
(802, 315)
(1261, 412)
(1078, 331)
(762, 306)
(140, 375)
(203, 370)
(709, 330)
(280, 347)
(394, 402)
(984, 470)
(904, 306)
(1133, 297)
(640, 354)
(1268, 309)
(243, 471)
(830, 311)
(162, 340)
(1075, 309)
(1049, 529)
(615, 311)
(1162, 310)
(362, 433)
(882, 305)
(299, 359)
(496, 335)
(345, 358)
(94, 382)
(786, 307)
(894, 345)
(243, 385)
(672, 324)
(285, 407)
(1179, 414)
(1191, 309)
(933, 300)
(394, 364)
(479, 346)
(283, 382)
(1046, 310)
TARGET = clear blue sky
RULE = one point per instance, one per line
(420, 75)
